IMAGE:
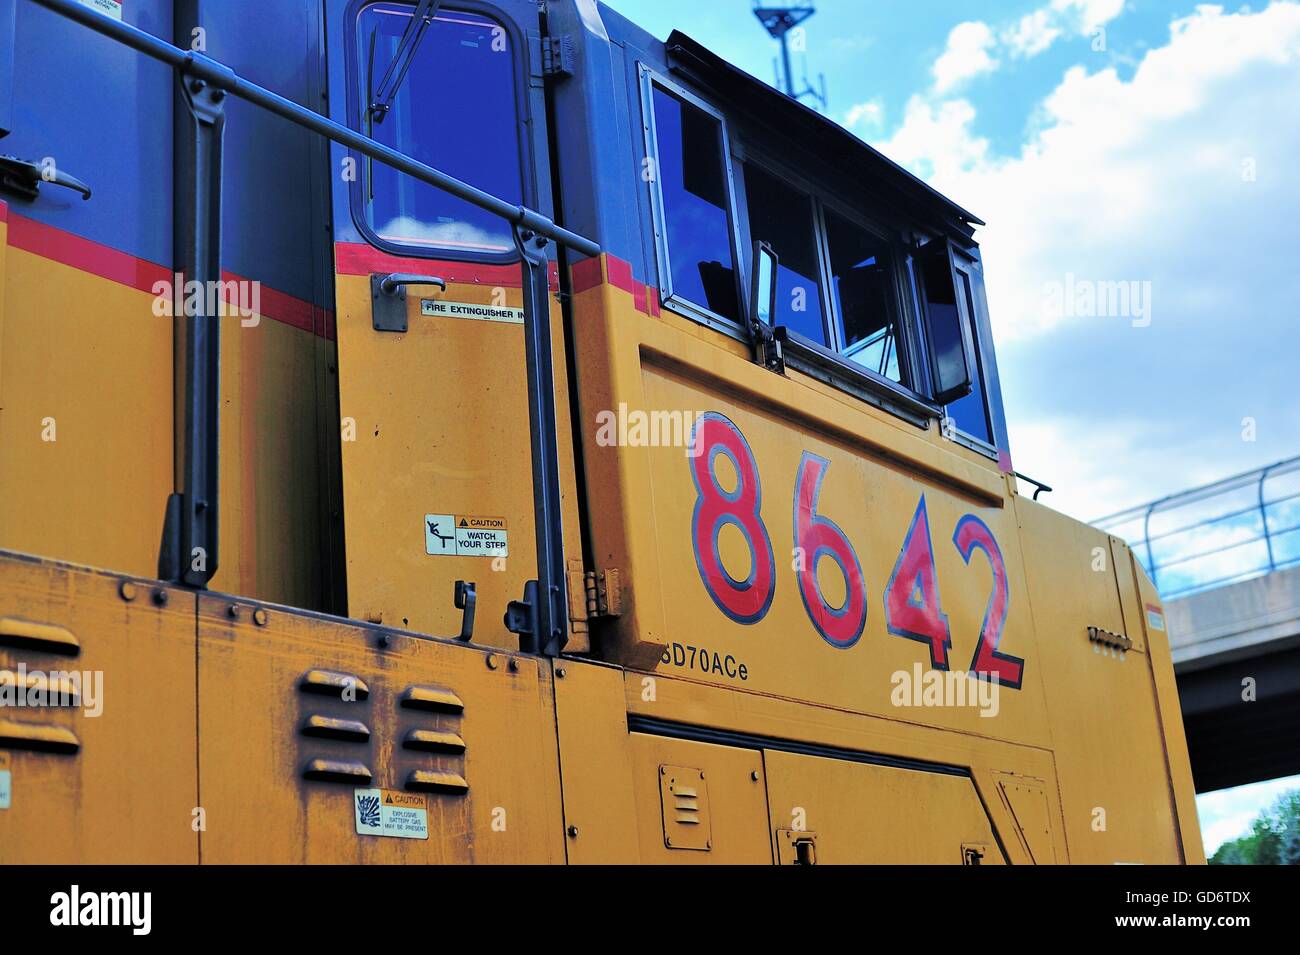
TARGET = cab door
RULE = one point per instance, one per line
(437, 477)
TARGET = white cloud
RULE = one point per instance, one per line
(1101, 188)
(1036, 31)
(453, 235)
(865, 118)
(1181, 176)
(1088, 15)
(1033, 34)
(936, 139)
(966, 55)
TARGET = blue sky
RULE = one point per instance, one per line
(1151, 142)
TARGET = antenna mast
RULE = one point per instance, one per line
(779, 22)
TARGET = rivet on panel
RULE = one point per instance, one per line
(233, 612)
(491, 661)
(127, 590)
(261, 617)
(754, 775)
(383, 640)
(513, 665)
(160, 597)
(573, 832)
(559, 673)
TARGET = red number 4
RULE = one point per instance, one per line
(912, 595)
(912, 608)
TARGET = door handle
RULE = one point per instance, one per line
(24, 177)
(388, 297)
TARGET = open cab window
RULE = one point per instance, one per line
(948, 301)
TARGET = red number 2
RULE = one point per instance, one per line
(973, 534)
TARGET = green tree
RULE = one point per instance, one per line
(1274, 837)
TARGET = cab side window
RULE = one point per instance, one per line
(782, 217)
(862, 277)
(461, 58)
(693, 211)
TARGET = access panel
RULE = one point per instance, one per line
(850, 812)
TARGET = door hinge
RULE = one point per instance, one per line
(593, 594)
(557, 55)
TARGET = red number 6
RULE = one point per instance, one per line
(818, 537)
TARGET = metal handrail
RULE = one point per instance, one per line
(204, 68)
(1263, 532)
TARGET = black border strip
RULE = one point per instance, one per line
(653, 726)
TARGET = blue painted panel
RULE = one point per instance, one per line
(8, 15)
(273, 221)
(104, 114)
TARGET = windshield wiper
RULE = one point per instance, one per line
(381, 98)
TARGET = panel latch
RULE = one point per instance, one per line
(796, 847)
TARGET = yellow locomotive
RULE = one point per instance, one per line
(611, 461)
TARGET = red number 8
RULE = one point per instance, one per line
(744, 601)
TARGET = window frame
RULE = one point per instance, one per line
(965, 263)
(907, 326)
(523, 132)
(648, 78)
(798, 185)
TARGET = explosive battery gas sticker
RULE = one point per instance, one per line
(6, 782)
(389, 812)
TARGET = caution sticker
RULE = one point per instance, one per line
(1155, 617)
(466, 535)
(390, 812)
(482, 313)
(6, 782)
